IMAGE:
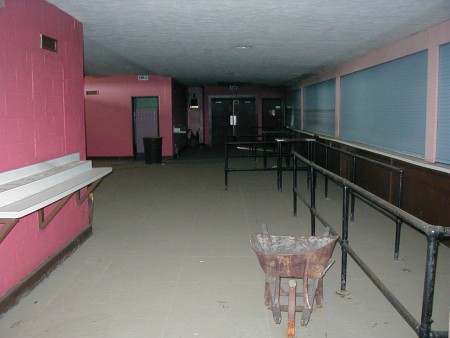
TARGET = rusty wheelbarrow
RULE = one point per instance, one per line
(304, 258)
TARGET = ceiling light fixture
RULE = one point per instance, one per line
(243, 47)
(194, 102)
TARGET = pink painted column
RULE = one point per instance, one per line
(432, 104)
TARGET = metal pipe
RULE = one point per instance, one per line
(347, 249)
(228, 156)
(308, 154)
(398, 232)
(294, 188)
(326, 178)
(429, 281)
(226, 166)
(280, 142)
(400, 189)
(433, 233)
(439, 334)
(252, 169)
(265, 150)
(412, 322)
(353, 180)
(318, 215)
(392, 209)
(279, 164)
(313, 201)
(378, 163)
(398, 221)
(344, 239)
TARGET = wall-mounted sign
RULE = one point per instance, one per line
(91, 92)
(143, 77)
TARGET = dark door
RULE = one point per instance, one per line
(272, 117)
(145, 122)
(232, 117)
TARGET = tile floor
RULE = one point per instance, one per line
(170, 258)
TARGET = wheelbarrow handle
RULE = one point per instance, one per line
(327, 232)
(327, 267)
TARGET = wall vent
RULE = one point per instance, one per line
(49, 43)
(91, 92)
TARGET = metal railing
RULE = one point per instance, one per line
(249, 149)
(262, 145)
(282, 144)
(312, 144)
(353, 179)
(433, 233)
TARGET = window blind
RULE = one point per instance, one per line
(443, 129)
(385, 105)
(319, 107)
(293, 114)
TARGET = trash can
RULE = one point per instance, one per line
(153, 149)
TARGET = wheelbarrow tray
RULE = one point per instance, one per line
(294, 257)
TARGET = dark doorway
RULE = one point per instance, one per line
(232, 117)
(272, 117)
(145, 122)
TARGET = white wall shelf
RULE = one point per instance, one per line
(29, 189)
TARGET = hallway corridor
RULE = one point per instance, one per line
(170, 257)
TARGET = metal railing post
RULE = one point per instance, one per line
(226, 166)
(433, 233)
(344, 239)
(430, 279)
(294, 189)
(279, 164)
(326, 167)
(265, 150)
(308, 176)
(353, 180)
(398, 221)
(313, 201)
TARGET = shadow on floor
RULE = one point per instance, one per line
(202, 153)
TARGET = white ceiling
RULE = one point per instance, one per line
(195, 41)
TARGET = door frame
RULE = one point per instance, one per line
(133, 119)
(229, 97)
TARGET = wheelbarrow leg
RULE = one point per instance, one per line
(267, 296)
(319, 293)
(273, 287)
(291, 307)
(309, 292)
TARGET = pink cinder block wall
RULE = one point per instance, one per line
(41, 117)
(258, 92)
(109, 127)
